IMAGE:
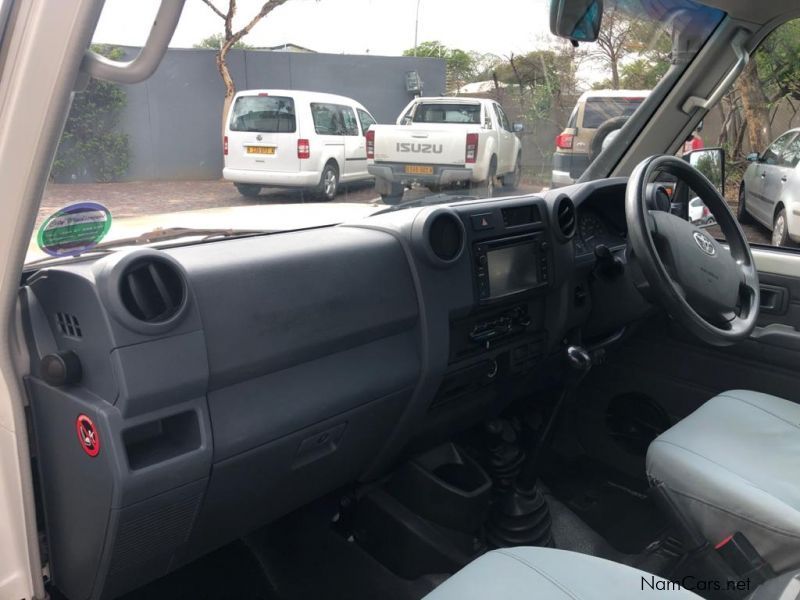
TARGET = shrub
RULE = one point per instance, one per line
(91, 147)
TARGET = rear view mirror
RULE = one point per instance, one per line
(576, 20)
(711, 163)
(519, 127)
(752, 157)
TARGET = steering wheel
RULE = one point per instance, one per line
(711, 290)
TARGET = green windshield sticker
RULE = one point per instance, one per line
(74, 229)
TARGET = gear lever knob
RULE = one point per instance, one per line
(578, 358)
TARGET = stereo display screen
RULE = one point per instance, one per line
(513, 269)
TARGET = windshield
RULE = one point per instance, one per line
(313, 113)
(447, 113)
(265, 114)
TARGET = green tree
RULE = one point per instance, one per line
(91, 146)
(462, 66)
(623, 36)
(217, 41)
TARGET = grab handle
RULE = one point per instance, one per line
(149, 57)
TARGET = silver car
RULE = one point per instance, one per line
(770, 189)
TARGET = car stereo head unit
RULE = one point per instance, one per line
(508, 266)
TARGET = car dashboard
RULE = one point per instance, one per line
(227, 383)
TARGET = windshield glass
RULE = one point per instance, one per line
(313, 113)
(447, 113)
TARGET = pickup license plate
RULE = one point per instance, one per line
(419, 170)
(260, 149)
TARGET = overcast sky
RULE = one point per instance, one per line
(383, 27)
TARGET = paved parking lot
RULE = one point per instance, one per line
(153, 197)
(141, 198)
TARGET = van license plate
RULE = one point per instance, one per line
(261, 149)
(419, 170)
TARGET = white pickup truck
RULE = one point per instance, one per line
(443, 141)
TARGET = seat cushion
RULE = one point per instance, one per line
(530, 573)
(734, 465)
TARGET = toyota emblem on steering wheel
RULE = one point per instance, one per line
(705, 244)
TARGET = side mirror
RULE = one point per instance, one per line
(518, 127)
(753, 157)
(576, 20)
(711, 163)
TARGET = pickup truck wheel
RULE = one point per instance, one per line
(395, 195)
(486, 188)
(248, 189)
(328, 183)
(511, 180)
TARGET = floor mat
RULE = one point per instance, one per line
(304, 557)
(614, 506)
(230, 572)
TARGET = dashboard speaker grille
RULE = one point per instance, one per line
(152, 290)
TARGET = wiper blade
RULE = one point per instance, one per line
(426, 201)
(175, 233)
(159, 235)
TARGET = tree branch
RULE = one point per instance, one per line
(267, 8)
(229, 19)
(217, 11)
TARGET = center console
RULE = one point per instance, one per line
(511, 265)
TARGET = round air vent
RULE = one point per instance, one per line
(446, 236)
(152, 290)
(566, 221)
(439, 234)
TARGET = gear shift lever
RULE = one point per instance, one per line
(521, 516)
(579, 362)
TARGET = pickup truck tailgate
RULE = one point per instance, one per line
(429, 144)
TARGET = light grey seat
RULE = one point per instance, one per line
(530, 573)
(734, 465)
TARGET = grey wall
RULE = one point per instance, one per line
(174, 118)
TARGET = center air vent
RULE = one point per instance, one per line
(565, 216)
(445, 237)
(152, 290)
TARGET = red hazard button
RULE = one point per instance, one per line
(482, 221)
(87, 435)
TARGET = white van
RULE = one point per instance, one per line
(289, 138)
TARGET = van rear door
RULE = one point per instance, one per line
(262, 134)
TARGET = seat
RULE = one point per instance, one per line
(734, 465)
(530, 573)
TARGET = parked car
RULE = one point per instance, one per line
(699, 213)
(769, 191)
(296, 139)
(596, 116)
(442, 141)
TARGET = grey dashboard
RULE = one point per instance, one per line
(228, 383)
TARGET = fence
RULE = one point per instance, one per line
(173, 119)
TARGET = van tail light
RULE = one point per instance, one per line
(564, 141)
(472, 148)
(706, 212)
(225, 145)
(303, 149)
(371, 144)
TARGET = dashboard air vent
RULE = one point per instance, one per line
(152, 290)
(69, 325)
(446, 236)
(565, 216)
